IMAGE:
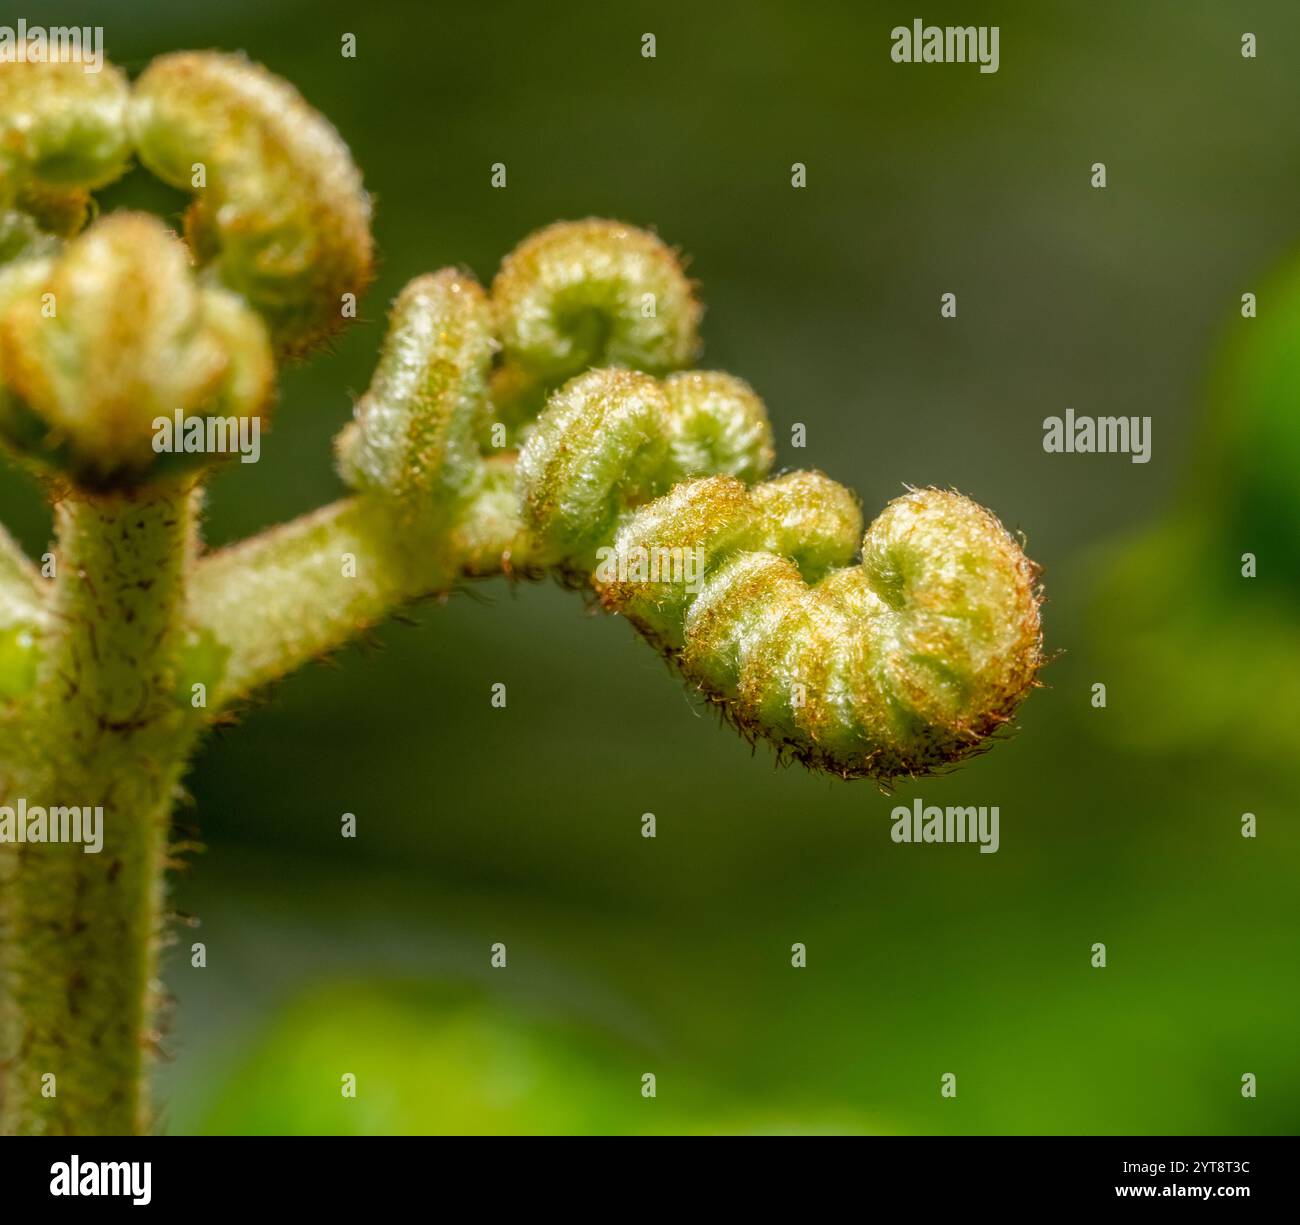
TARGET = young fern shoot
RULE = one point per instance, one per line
(549, 424)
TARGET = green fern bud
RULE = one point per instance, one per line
(594, 293)
(601, 445)
(62, 129)
(416, 434)
(99, 343)
(280, 214)
(898, 665)
(455, 364)
(718, 425)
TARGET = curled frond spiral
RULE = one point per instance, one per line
(884, 655)
(280, 214)
(899, 664)
(129, 337)
(104, 331)
(416, 436)
(579, 294)
(63, 133)
(457, 360)
(585, 293)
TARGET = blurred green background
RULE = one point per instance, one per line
(1119, 825)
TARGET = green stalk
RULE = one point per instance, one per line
(305, 588)
(132, 624)
(105, 728)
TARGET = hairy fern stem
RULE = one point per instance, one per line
(105, 732)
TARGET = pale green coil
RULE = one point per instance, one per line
(891, 654)
(280, 214)
(416, 431)
(899, 664)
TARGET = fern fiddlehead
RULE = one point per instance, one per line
(81, 391)
(895, 665)
(584, 293)
(279, 215)
(416, 435)
(546, 424)
(62, 135)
